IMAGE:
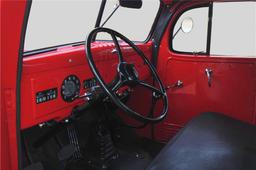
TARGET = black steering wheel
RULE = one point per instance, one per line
(127, 76)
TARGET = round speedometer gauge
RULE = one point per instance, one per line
(70, 88)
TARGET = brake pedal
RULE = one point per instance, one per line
(73, 139)
(66, 152)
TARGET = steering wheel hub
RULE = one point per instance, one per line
(128, 72)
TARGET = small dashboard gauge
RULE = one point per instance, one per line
(46, 95)
(70, 88)
(89, 83)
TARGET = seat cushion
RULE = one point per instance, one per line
(210, 141)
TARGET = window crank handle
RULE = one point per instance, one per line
(208, 73)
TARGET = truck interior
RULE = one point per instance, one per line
(182, 98)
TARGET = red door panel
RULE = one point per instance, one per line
(232, 91)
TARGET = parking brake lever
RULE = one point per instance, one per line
(178, 84)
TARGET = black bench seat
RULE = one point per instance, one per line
(210, 141)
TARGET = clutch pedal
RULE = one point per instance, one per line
(73, 139)
(35, 166)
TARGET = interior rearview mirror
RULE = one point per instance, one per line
(131, 3)
(187, 25)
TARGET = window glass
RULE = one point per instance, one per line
(194, 41)
(135, 24)
(59, 22)
(234, 29)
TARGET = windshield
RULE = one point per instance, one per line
(59, 22)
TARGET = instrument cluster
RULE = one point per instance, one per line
(69, 90)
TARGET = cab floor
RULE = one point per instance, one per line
(134, 153)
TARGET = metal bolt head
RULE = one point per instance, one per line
(139, 155)
(41, 125)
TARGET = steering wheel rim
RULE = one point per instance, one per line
(111, 93)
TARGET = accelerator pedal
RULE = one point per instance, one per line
(108, 152)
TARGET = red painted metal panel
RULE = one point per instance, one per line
(232, 92)
(48, 70)
(12, 13)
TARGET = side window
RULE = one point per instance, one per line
(234, 29)
(193, 39)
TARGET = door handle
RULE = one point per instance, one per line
(209, 73)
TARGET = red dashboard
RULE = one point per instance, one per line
(47, 71)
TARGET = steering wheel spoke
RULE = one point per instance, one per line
(118, 49)
(117, 85)
(152, 88)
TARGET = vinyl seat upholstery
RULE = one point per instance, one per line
(210, 141)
